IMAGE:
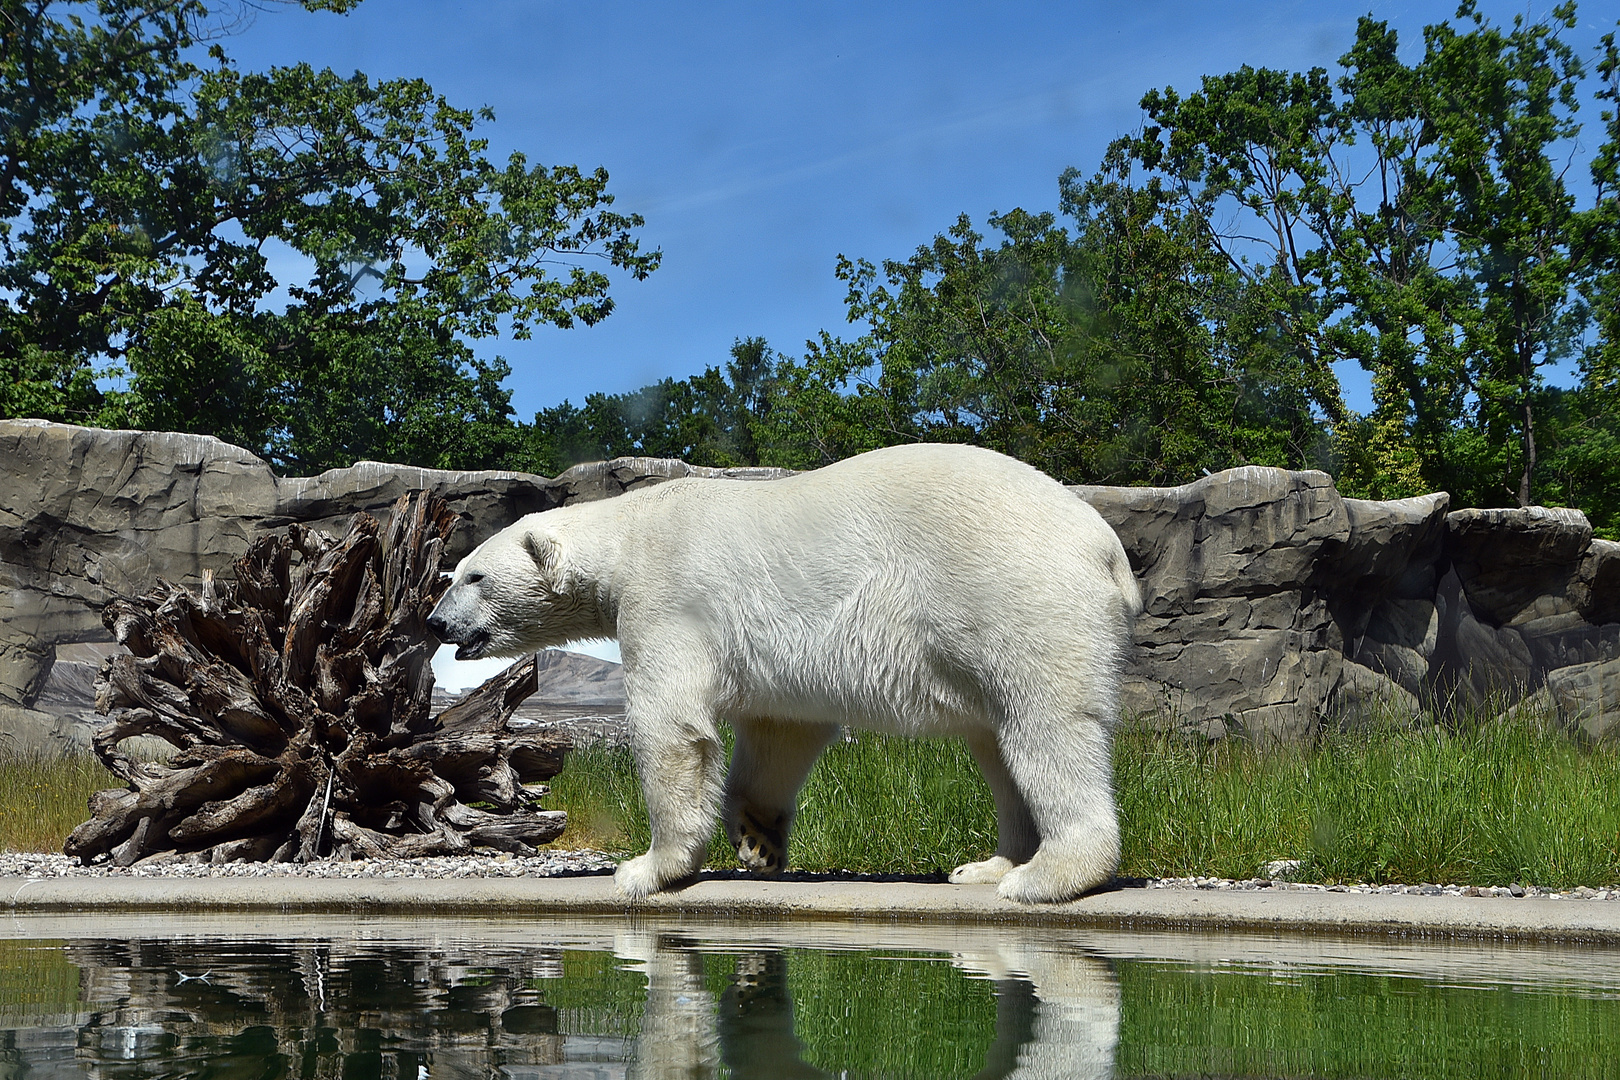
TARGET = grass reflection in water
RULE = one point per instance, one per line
(606, 1002)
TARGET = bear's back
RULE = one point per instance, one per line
(931, 533)
(954, 509)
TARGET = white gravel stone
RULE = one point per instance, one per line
(1363, 888)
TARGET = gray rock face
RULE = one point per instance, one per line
(1588, 696)
(1598, 590)
(1273, 604)
(1399, 641)
(1391, 544)
(1241, 572)
(1245, 532)
(568, 678)
(87, 514)
(1364, 697)
(1518, 564)
(604, 479)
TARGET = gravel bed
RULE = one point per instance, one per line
(1536, 891)
(560, 863)
(545, 864)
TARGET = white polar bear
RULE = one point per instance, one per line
(924, 589)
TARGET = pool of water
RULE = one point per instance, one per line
(357, 999)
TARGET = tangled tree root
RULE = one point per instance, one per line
(299, 703)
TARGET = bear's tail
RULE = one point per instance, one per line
(1130, 593)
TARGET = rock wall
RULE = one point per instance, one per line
(87, 514)
(1274, 605)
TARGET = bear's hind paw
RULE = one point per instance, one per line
(761, 846)
(759, 855)
(1046, 880)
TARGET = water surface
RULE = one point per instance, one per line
(408, 1000)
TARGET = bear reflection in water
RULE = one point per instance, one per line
(1056, 1012)
(658, 1005)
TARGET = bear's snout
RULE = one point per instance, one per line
(445, 622)
(450, 623)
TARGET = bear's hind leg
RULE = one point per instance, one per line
(680, 761)
(1016, 837)
(768, 767)
(1064, 769)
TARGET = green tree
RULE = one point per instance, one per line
(709, 419)
(1416, 220)
(1582, 455)
(1125, 353)
(1181, 353)
(1598, 230)
(142, 180)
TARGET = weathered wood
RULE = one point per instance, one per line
(298, 701)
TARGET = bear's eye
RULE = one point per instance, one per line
(473, 579)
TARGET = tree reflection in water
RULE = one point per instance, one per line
(657, 1005)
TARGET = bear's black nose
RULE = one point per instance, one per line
(440, 628)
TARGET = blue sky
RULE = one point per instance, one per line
(760, 141)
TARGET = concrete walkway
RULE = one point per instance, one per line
(807, 898)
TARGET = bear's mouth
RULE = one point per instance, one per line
(472, 648)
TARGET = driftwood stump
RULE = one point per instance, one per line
(299, 701)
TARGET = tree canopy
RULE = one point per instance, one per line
(146, 183)
(1421, 220)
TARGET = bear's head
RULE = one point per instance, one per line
(514, 594)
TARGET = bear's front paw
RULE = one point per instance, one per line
(988, 872)
(638, 877)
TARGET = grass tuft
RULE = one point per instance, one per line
(1485, 804)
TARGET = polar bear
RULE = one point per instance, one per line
(920, 589)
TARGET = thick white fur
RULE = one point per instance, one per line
(919, 590)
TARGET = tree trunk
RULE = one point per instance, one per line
(299, 704)
(1527, 373)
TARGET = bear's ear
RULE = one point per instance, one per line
(543, 550)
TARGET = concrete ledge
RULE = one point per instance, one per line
(812, 899)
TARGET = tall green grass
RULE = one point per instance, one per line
(42, 798)
(872, 805)
(1482, 803)
(1487, 804)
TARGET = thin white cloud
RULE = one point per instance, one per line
(1025, 111)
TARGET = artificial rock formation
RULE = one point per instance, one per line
(87, 515)
(298, 700)
(1273, 603)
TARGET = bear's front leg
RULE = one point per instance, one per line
(680, 761)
